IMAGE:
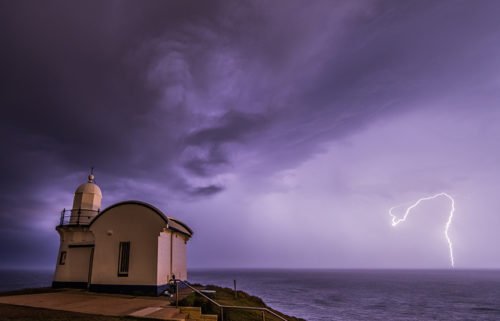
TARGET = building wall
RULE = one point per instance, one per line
(77, 265)
(75, 241)
(164, 273)
(179, 262)
(132, 223)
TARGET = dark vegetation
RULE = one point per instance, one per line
(226, 296)
(30, 291)
(21, 313)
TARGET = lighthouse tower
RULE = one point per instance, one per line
(77, 241)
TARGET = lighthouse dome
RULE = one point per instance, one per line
(87, 202)
(89, 188)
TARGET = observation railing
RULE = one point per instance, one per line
(223, 307)
(77, 216)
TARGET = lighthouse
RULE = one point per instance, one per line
(129, 247)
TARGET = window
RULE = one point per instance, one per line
(123, 258)
(62, 258)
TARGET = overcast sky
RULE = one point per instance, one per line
(282, 132)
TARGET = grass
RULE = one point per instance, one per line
(226, 296)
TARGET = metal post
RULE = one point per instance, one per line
(263, 315)
(62, 216)
(176, 294)
(221, 314)
(235, 292)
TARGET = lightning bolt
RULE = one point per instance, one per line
(396, 220)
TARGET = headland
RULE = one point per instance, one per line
(73, 304)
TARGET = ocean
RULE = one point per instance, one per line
(358, 295)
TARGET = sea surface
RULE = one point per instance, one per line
(324, 295)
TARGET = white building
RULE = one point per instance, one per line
(129, 247)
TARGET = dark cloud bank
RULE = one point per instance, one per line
(168, 93)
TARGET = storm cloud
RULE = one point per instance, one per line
(194, 106)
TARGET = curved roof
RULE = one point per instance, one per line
(178, 225)
(172, 223)
(88, 188)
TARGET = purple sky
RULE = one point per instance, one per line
(280, 131)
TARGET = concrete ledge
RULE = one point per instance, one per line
(149, 290)
(73, 285)
(192, 312)
(98, 304)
